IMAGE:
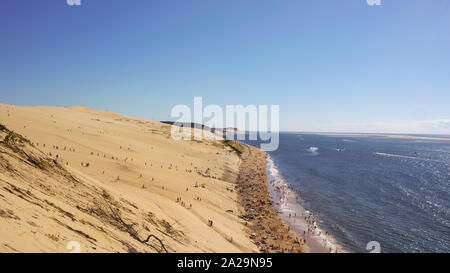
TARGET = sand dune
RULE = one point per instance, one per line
(109, 181)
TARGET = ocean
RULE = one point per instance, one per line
(391, 191)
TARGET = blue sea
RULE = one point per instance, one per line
(361, 189)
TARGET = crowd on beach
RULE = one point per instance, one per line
(267, 230)
(284, 194)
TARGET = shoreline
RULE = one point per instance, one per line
(276, 206)
(266, 227)
(296, 216)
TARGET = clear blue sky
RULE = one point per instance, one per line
(331, 65)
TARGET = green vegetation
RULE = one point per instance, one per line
(235, 145)
(11, 138)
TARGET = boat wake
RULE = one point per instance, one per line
(314, 150)
(408, 157)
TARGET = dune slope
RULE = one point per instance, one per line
(107, 182)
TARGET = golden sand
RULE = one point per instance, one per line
(117, 180)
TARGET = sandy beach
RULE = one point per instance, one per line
(79, 179)
(269, 232)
